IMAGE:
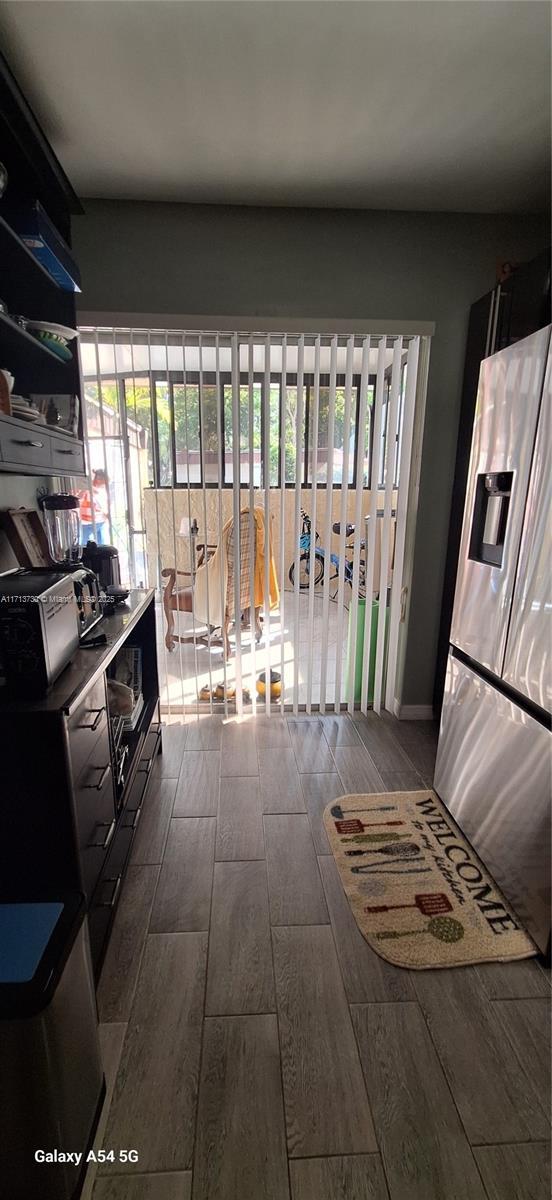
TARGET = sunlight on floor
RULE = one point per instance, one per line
(181, 681)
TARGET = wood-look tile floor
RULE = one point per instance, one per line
(257, 1047)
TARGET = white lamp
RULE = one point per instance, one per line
(187, 528)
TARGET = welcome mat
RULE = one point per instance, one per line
(418, 891)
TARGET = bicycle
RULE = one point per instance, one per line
(320, 557)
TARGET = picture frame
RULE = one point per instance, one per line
(26, 536)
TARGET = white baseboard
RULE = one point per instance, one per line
(413, 712)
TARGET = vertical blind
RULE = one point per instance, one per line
(205, 426)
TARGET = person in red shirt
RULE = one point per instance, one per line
(96, 504)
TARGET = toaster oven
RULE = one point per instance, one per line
(39, 629)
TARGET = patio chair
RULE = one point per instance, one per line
(174, 597)
(175, 600)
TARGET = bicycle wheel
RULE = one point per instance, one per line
(304, 571)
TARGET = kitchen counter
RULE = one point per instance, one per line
(87, 664)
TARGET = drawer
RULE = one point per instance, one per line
(95, 812)
(120, 849)
(28, 447)
(101, 913)
(67, 459)
(151, 747)
(107, 891)
(87, 726)
(136, 794)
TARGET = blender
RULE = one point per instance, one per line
(62, 522)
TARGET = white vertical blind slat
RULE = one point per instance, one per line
(297, 522)
(402, 503)
(314, 413)
(343, 520)
(158, 583)
(205, 520)
(123, 448)
(377, 417)
(236, 513)
(267, 518)
(220, 459)
(328, 525)
(251, 456)
(359, 531)
(139, 456)
(102, 431)
(390, 444)
(175, 557)
(283, 521)
(88, 455)
(192, 556)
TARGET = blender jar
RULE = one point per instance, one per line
(62, 521)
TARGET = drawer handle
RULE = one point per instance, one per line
(104, 843)
(60, 451)
(96, 720)
(104, 773)
(27, 442)
(113, 899)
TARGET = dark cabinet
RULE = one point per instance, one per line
(36, 450)
(87, 725)
(29, 291)
(66, 822)
(23, 448)
(524, 303)
(512, 311)
(95, 812)
(66, 459)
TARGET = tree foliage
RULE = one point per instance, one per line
(188, 421)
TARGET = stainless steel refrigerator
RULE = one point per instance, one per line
(493, 760)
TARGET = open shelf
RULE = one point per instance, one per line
(24, 249)
(35, 177)
(12, 327)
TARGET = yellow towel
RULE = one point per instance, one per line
(273, 590)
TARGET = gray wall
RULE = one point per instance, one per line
(170, 258)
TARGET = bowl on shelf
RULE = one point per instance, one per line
(55, 337)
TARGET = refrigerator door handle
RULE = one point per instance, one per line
(489, 326)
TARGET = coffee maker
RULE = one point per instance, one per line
(62, 523)
(104, 562)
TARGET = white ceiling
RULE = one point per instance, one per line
(399, 104)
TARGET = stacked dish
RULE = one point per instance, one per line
(55, 337)
(24, 410)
